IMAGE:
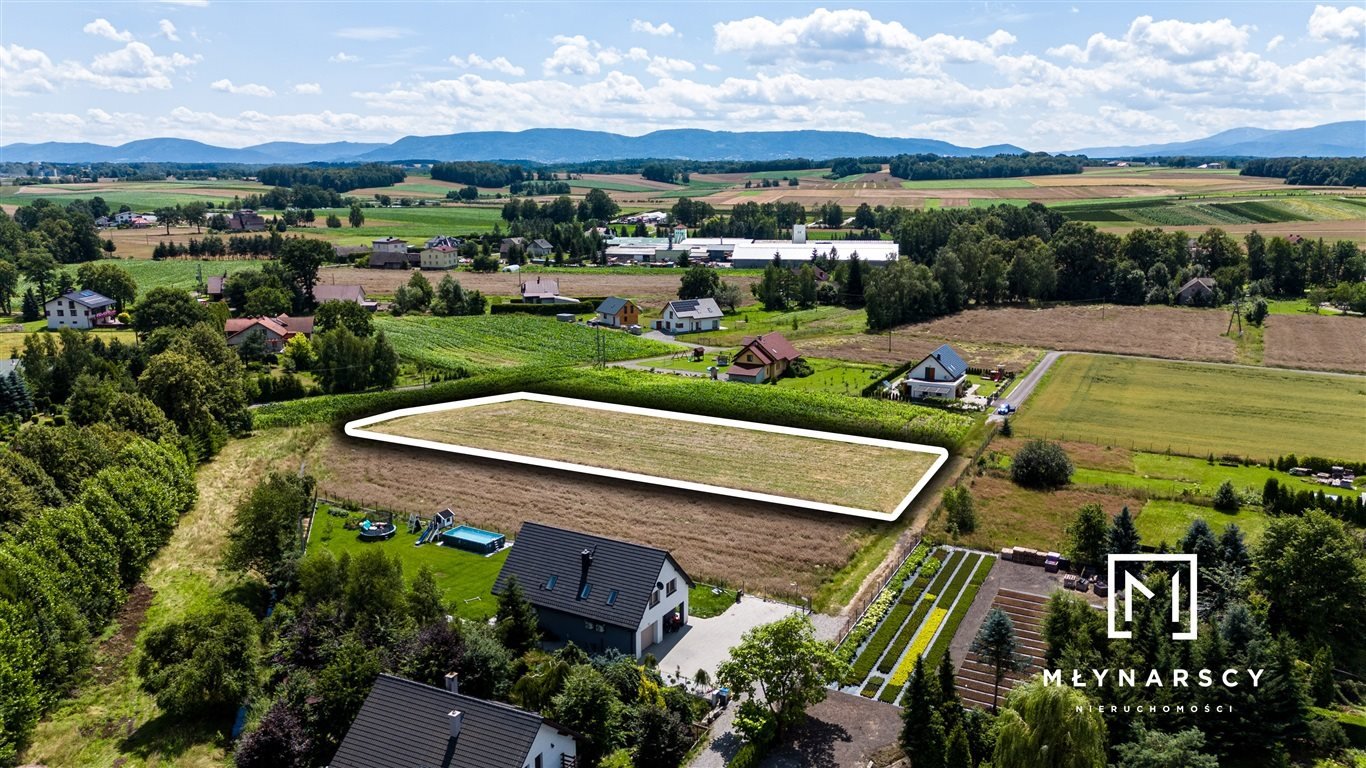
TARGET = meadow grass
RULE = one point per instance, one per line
(1195, 409)
(1167, 521)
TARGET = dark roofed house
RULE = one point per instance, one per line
(540, 248)
(394, 260)
(246, 220)
(508, 243)
(942, 374)
(690, 316)
(83, 309)
(1198, 291)
(596, 592)
(616, 312)
(213, 287)
(762, 358)
(405, 724)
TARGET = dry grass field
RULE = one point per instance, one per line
(1156, 331)
(1011, 516)
(651, 291)
(910, 344)
(1316, 341)
(827, 471)
(757, 546)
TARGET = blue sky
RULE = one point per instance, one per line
(1046, 76)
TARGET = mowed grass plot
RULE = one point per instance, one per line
(483, 342)
(1195, 409)
(1167, 521)
(464, 578)
(796, 467)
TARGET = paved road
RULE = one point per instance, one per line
(1025, 386)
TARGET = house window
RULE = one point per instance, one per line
(612, 597)
(61, 313)
(583, 593)
(654, 598)
(550, 582)
(671, 587)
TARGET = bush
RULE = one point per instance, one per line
(203, 663)
(1226, 498)
(1041, 464)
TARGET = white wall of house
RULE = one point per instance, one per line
(392, 246)
(552, 746)
(651, 629)
(675, 324)
(63, 313)
(274, 341)
(436, 259)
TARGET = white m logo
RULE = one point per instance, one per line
(1132, 582)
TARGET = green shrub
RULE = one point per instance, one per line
(1041, 464)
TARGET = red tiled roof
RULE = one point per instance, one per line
(770, 348)
(236, 325)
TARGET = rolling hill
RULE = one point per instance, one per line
(1345, 139)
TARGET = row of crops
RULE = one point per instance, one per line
(1170, 213)
(920, 614)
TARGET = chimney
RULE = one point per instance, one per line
(453, 682)
(457, 719)
(586, 557)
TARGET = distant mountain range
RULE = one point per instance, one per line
(564, 145)
(1346, 139)
(542, 145)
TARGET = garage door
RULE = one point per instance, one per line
(647, 637)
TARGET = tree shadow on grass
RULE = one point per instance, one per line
(168, 737)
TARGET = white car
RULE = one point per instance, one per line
(1005, 410)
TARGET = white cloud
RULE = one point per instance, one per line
(130, 69)
(103, 28)
(1329, 23)
(578, 55)
(189, 3)
(343, 58)
(833, 32)
(1275, 42)
(1001, 38)
(663, 29)
(663, 66)
(496, 64)
(168, 30)
(373, 33)
(308, 89)
(246, 89)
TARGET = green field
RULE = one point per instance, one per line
(465, 578)
(139, 195)
(836, 376)
(1167, 521)
(1214, 209)
(806, 174)
(1195, 409)
(613, 186)
(966, 184)
(1175, 476)
(475, 344)
(177, 273)
(413, 223)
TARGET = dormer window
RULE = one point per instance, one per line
(612, 597)
(583, 593)
(550, 583)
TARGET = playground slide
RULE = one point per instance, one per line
(428, 534)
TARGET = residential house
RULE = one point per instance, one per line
(540, 248)
(505, 247)
(124, 217)
(82, 310)
(142, 222)
(690, 316)
(941, 374)
(617, 312)
(328, 292)
(277, 330)
(596, 592)
(1198, 291)
(405, 724)
(762, 358)
(389, 245)
(544, 290)
(439, 257)
(104, 222)
(246, 220)
(392, 253)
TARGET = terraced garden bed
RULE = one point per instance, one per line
(921, 622)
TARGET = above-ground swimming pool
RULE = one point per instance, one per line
(473, 539)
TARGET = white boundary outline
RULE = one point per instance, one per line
(357, 429)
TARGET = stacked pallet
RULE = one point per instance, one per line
(976, 679)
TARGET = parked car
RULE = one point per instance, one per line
(1006, 409)
(634, 330)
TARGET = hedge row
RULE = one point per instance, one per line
(772, 405)
(960, 611)
(519, 308)
(903, 638)
(890, 694)
(864, 664)
(877, 616)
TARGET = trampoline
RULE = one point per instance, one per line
(377, 531)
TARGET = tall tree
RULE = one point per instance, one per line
(998, 647)
(785, 665)
(1087, 536)
(1123, 534)
(1314, 573)
(516, 619)
(265, 537)
(1156, 749)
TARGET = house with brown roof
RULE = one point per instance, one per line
(333, 292)
(274, 330)
(246, 220)
(1198, 291)
(214, 286)
(762, 358)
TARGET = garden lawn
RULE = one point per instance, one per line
(1173, 476)
(475, 344)
(464, 578)
(703, 603)
(1195, 409)
(836, 377)
(1167, 521)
